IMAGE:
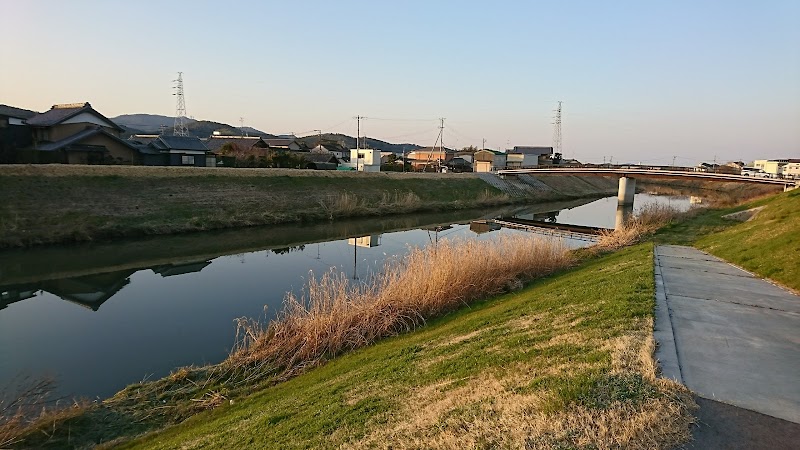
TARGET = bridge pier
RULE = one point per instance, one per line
(627, 189)
(624, 213)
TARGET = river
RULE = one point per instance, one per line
(95, 318)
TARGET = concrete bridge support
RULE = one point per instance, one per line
(624, 213)
(627, 188)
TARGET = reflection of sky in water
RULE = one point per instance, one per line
(155, 324)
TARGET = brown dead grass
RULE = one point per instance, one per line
(63, 170)
(337, 315)
(650, 218)
(494, 411)
(25, 410)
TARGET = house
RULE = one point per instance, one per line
(14, 133)
(75, 133)
(458, 165)
(283, 143)
(773, 167)
(319, 160)
(364, 160)
(523, 156)
(426, 157)
(488, 161)
(338, 151)
(792, 169)
(178, 151)
(239, 148)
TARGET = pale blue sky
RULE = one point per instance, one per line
(642, 81)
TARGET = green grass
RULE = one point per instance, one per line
(767, 245)
(553, 342)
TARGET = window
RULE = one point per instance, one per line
(187, 159)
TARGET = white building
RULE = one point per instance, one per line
(365, 160)
(773, 167)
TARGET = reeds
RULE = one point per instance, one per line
(646, 222)
(336, 315)
(25, 409)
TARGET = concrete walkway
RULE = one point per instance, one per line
(727, 335)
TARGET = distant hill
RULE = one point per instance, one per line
(145, 122)
(350, 142)
(152, 123)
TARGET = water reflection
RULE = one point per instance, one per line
(624, 213)
(150, 305)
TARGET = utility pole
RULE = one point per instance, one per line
(241, 123)
(673, 160)
(441, 134)
(179, 128)
(358, 131)
(483, 145)
(319, 136)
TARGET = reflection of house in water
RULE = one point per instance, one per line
(549, 216)
(13, 294)
(372, 240)
(169, 270)
(483, 226)
(89, 291)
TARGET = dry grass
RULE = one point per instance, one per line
(24, 410)
(650, 218)
(62, 170)
(494, 410)
(337, 315)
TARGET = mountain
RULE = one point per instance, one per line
(145, 122)
(152, 123)
(350, 142)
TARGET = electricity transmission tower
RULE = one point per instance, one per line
(179, 129)
(557, 130)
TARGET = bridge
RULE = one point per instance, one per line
(627, 182)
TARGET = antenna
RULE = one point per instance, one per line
(179, 129)
(557, 130)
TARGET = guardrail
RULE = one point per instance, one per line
(650, 172)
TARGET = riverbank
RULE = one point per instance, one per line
(304, 339)
(48, 204)
(565, 362)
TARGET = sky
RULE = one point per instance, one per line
(640, 81)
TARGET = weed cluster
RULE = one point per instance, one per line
(336, 315)
(650, 218)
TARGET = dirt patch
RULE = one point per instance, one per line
(743, 216)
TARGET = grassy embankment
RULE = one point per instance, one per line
(565, 362)
(568, 353)
(47, 204)
(50, 204)
(768, 244)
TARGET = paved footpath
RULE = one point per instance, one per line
(730, 337)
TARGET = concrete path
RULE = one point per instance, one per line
(727, 335)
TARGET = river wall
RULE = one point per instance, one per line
(46, 204)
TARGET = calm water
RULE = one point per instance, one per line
(99, 317)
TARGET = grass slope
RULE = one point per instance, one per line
(565, 362)
(51, 204)
(767, 245)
